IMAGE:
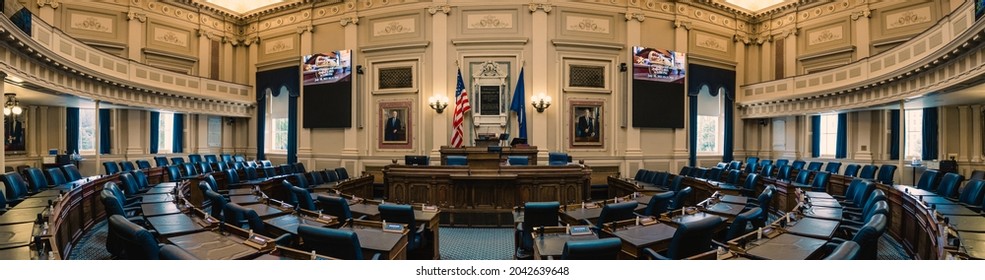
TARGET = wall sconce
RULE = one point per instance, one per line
(438, 103)
(541, 102)
(12, 105)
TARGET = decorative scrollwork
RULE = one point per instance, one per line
(445, 9)
(541, 6)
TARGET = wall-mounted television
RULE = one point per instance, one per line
(658, 87)
(327, 79)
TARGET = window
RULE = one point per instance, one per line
(165, 131)
(87, 131)
(829, 135)
(278, 120)
(914, 134)
(709, 121)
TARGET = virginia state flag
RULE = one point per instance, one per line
(519, 107)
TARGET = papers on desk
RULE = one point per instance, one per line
(325, 219)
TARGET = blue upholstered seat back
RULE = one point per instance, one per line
(693, 238)
(927, 180)
(211, 158)
(782, 162)
(57, 176)
(330, 175)
(868, 236)
(714, 174)
(336, 243)
(676, 184)
(972, 193)
(292, 197)
(232, 177)
(783, 173)
(556, 158)
(251, 173)
(639, 174)
(535, 215)
(596, 249)
(518, 160)
(802, 176)
(130, 187)
(177, 160)
(848, 250)
(36, 179)
(679, 198)
(217, 201)
(174, 174)
(304, 199)
(740, 225)
(797, 164)
(949, 185)
(299, 167)
(126, 166)
(750, 183)
(733, 177)
(851, 170)
(752, 168)
(404, 214)
(814, 166)
(886, 173)
(316, 178)
(658, 204)
(143, 164)
(194, 158)
(161, 161)
(111, 168)
(616, 212)
(820, 183)
(136, 241)
(833, 167)
(342, 173)
(16, 187)
(335, 206)
(767, 170)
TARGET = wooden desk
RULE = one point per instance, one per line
(625, 186)
(734, 199)
(786, 247)
(824, 213)
(16, 235)
(209, 245)
(20, 216)
(551, 243)
(159, 209)
(964, 223)
(637, 238)
(290, 223)
(372, 238)
(474, 153)
(176, 224)
(816, 228)
(727, 210)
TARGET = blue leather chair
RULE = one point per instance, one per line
(763, 202)
(211, 158)
(862, 193)
(330, 175)
(535, 215)
(111, 203)
(126, 166)
(292, 198)
(783, 173)
(302, 182)
(886, 174)
(246, 218)
(188, 169)
(269, 172)
(252, 164)
(175, 253)
(194, 158)
(690, 239)
(972, 194)
(16, 187)
(342, 173)
(614, 212)
(752, 168)
(136, 242)
(639, 174)
(749, 186)
(404, 214)
(714, 174)
(833, 167)
(733, 177)
(851, 170)
(814, 166)
(850, 190)
(595, 249)
(867, 237)
(949, 185)
(741, 224)
(927, 180)
(232, 177)
(299, 167)
(238, 165)
(71, 172)
(848, 250)
(556, 158)
(131, 203)
(335, 206)
(36, 180)
(161, 161)
(676, 184)
(142, 182)
(752, 160)
(212, 184)
(797, 164)
(203, 167)
(858, 214)
(174, 173)
(304, 199)
(852, 223)
(222, 165)
(316, 178)
(266, 163)
(679, 198)
(735, 165)
(520, 160)
(456, 161)
(177, 160)
(251, 173)
(782, 162)
(111, 167)
(336, 243)
(802, 176)
(57, 176)
(660, 178)
(650, 176)
(977, 175)
(685, 171)
(767, 171)
(239, 158)
(226, 157)
(217, 201)
(285, 169)
(658, 204)
(868, 172)
(820, 183)
(698, 172)
(143, 164)
(764, 162)
(130, 186)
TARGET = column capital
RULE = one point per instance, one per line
(305, 28)
(354, 20)
(637, 16)
(546, 7)
(53, 3)
(686, 24)
(445, 9)
(141, 17)
(863, 13)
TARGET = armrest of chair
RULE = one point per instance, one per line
(284, 239)
(376, 256)
(846, 231)
(654, 255)
(837, 240)
(138, 220)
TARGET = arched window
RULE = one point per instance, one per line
(278, 117)
(710, 120)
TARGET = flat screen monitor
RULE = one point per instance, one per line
(416, 160)
(327, 79)
(658, 87)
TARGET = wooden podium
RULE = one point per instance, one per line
(483, 158)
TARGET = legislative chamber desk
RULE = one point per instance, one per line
(484, 196)
(480, 156)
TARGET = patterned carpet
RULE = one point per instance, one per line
(456, 244)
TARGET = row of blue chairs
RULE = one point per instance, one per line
(885, 173)
(17, 188)
(553, 158)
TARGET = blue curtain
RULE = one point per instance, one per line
(155, 127)
(816, 136)
(893, 134)
(714, 79)
(273, 80)
(71, 130)
(178, 142)
(105, 143)
(842, 145)
(930, 133)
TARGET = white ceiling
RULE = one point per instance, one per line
(753, 6)
(243, 7)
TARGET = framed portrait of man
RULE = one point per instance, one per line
(395, 125)
(14, 136)
(587, 124)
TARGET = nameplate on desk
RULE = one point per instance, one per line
(256, 242)
(395, 228)
(648, 221)
(430, 208)
(580, 230)
(325, 219)
(591, 206)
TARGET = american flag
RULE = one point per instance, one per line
(462, 106)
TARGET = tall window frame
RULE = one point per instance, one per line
(165, 133)
(711, 122)
(914, 134)
(829, 135)
(87, 131)
(278, 121)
